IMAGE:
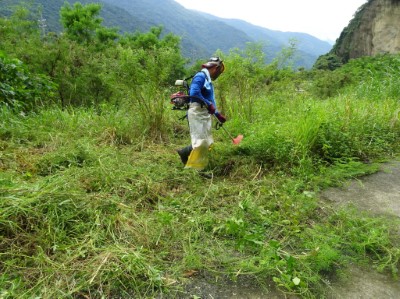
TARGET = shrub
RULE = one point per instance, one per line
(21, 89)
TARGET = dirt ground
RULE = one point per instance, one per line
(378, 194)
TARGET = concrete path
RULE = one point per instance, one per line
(379, 195)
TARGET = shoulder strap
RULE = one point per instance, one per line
(188, 78)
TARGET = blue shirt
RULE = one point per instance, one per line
(202, 87)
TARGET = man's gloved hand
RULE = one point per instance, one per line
(211, 109)
(220, 117)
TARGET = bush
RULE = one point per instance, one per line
(21, 89)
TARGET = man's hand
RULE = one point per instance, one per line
(211, 109)
(220, 117)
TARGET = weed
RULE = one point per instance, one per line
(92, 207)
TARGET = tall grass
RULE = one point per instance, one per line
(94, 205)
(345, 127)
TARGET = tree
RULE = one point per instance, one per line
(328, 62)
(81, 22)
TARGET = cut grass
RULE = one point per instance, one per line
(87, 213)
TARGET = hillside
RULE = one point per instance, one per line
(308, 46)
(373, 30)
(113, 15)
(201, 34)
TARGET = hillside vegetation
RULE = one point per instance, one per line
(96, 204)
(201, 34)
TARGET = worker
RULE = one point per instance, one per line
(201, 108)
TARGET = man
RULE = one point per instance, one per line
(202, 106)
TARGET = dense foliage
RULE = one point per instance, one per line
(93, 200)
(90, 63)
(21, 90)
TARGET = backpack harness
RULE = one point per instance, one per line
(182, 99)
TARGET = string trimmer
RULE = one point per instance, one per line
(235, 140)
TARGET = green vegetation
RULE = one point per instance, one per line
(200, 41)
(95, 203)
(19, 88)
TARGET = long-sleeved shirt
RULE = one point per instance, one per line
(202, 87)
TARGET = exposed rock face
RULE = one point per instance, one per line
(375, 29)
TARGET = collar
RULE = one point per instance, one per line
(207, 73)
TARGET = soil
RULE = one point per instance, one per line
(377, 194)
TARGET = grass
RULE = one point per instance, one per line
(90, 207)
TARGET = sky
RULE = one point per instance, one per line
(322, 19)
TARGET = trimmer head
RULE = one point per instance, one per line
(237, 140)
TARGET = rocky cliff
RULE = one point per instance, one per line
(375, 29)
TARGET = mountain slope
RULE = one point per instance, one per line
(204, 33)
(113, 16)
(309, 47)
(201, 34)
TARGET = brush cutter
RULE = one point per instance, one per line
(235, 140)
